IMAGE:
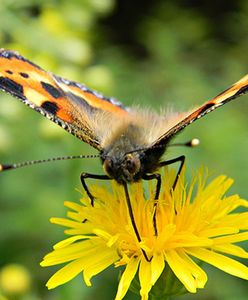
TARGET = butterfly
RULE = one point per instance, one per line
(131, 142)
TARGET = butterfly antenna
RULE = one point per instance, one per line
(5, 167)
(192, 143)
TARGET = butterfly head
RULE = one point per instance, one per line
(125, 169)
(133, 165)
(128, 158)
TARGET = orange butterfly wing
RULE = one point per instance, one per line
(72, 105)
(236, 90)
(67, 103)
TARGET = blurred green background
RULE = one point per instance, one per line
(147, 53)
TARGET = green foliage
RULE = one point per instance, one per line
(155, 54)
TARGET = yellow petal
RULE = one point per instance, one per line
(157, 266)
(239, 220)
(234, 238)
(73, 251)
(181, 270)
(187, 239)
(76, 216)
(145, 278)
(67, 223)
(74, 206)
(127, 278)
(65, 274)
(232, 250)
(86, 230)
(69, 241)
(220, 261)
(97, 262)
(211, 232)
(197, 272)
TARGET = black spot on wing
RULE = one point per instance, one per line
(50, 107)
(9, 72)
(11, 87)
(24, 75)
(51, 90)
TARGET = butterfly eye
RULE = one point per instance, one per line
(108, 166)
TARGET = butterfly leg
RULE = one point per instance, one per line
(158, 187)
(156, 176)
(84, 176)
(131, 215)
(180, 159)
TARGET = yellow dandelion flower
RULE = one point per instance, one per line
(195, 222)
